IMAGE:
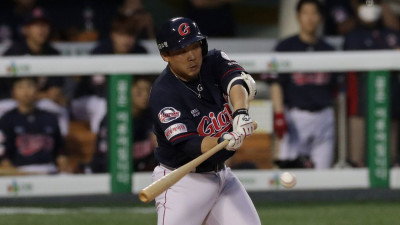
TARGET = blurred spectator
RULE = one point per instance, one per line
(369, 34)
(391, 14)
(214, 17)
(81, 20)
(143, 19)
(89, 103)
(123, 38)
(303, 102)
(36, 30)
(12, 18)
(144, 140)
(30, 138)
(339, 17)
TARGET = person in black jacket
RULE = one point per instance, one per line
(36, 31)
(30, 139)
(144, 140)
(89, 103)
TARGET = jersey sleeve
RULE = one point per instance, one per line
(226, 70)
(172, 118)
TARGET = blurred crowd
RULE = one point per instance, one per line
(41, 113)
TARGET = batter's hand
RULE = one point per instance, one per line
(280, 125)
(235, 140)
(242, 122)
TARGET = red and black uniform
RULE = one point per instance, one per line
(32, 138)
(186, 112)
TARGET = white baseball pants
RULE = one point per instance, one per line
(310, 134)
(205, 198)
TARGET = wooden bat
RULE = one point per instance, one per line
(159, 186)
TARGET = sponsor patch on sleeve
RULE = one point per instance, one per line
(168, 114)
(174, 130)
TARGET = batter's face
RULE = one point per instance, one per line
(309, 18)
(186, 62)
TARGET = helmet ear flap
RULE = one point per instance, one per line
(204, 46)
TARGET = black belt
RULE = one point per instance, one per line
(203, 169)
(312, 109)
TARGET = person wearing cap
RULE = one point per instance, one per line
(89, 100)
(199, 100)
(369, 34)
(30, 138)
(36, 30)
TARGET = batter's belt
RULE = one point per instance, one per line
(310, 109)
(202, 169)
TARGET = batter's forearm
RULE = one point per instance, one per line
(277, 97)
(208, 143)
(239, 97)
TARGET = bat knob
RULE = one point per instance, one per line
(143, 197)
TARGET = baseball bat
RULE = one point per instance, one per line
(159, 186)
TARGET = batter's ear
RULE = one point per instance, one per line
(165, 56)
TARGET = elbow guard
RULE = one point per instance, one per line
(250, 82)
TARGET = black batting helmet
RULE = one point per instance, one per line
(178, 33)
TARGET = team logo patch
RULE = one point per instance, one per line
(168, 114)
(174, 130)
(225, 56)
(184, 29)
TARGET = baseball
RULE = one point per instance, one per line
(288, 180)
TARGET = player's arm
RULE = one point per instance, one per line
(239, 97)
(280, 125)
(277, 97)
(241, 89)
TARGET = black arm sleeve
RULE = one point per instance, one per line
(192, 147)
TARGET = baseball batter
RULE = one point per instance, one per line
(192, 103)
(304, 117)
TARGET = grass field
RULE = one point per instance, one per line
(361, 213)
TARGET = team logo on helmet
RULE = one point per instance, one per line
(184, 29)
(168, 114)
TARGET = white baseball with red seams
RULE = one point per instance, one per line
(288, 180)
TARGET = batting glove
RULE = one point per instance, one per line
(280, 125)
(242, 122)
(235, 140)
